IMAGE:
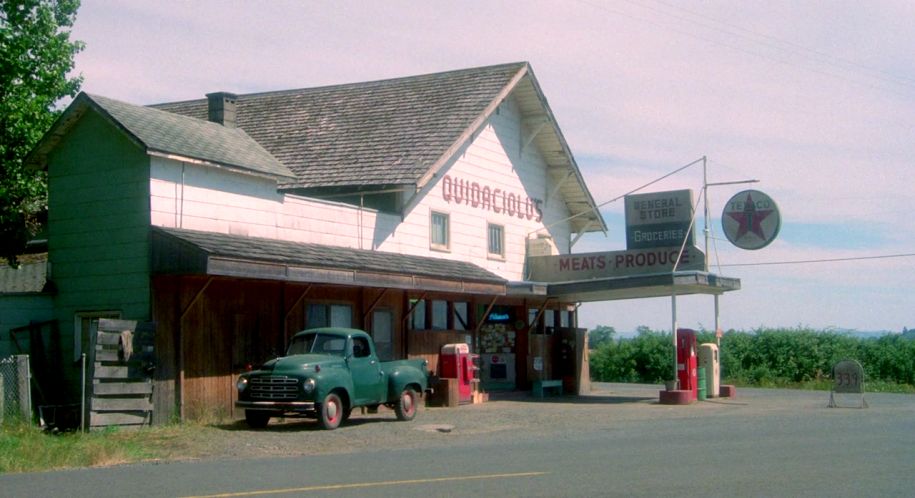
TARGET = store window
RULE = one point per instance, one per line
(439, 231)
(496, 240)
(435, 314)
(461, 316)
(439, 315)
(418, 318)
(329, 315)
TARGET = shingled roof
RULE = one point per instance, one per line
(376, 133)
(169, 134)
(30, 278)
(194, 252)
(400, 131)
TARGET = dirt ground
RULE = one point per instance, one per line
(508, 417)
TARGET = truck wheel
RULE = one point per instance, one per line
(330, 412)
(405, 408)
(257, 419)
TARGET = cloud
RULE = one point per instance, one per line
(815, 99)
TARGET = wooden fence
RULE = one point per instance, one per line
(120, 387)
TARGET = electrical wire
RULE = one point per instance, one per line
(782, 59)
(825, 260)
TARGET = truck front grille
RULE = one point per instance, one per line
(274, 388)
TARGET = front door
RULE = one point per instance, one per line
(368, 379)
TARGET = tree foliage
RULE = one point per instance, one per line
(36, 58)
(600, 335)
(761, 357)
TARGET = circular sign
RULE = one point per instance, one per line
(751, 220)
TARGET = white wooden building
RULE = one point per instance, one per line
(407, 207)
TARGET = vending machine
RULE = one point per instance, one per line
(456, 362)
(687, 362)
(708, 359)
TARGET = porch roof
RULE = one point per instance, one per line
(179, 251)
(629, 287)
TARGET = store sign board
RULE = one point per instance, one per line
(751, 220)
(588, 266)
(659, 219)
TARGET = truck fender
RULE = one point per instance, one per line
(400, 379)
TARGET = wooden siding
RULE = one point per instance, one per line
(195, 197)
(228, 324)
(98, 223)
(120, 387)
(494, 158)
(18, 311)
(427, 344)
(185, 195)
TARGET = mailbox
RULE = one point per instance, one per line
(708, 359)
(456, 362)
(686, 361)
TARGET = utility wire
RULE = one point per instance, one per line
(831, 260)
(780, 44)
(782, 58)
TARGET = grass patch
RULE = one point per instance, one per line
(821, 385)
(25, 448)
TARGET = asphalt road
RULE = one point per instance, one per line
(616, 442)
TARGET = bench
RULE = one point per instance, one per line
(542, 385)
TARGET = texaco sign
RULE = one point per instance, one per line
(751, 220)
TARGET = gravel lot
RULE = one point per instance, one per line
(512, 417)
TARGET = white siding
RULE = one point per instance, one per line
(492, 159)
(190, 196)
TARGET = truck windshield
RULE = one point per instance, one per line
(317, 343)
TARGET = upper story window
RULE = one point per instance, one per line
(496, 240)
(439, 231)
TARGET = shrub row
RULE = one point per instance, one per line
(760, 357)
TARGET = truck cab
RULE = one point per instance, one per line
(327, 372)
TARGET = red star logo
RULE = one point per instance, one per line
(750, 219)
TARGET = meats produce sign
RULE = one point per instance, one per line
(589, 266)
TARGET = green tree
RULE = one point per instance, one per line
(599, 335)
(36, 58)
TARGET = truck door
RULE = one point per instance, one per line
(368, 379)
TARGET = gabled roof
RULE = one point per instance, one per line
(170, 135)
(401, 131)
(179, 251)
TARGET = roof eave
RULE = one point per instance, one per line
(38, 157)
(474, 126)
(229, 167)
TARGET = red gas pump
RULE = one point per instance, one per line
(687, 361)
(456, 362)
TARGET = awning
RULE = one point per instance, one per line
(629, 287)
(189, 252)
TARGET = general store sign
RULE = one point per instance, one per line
(659, 219)
(588, 266)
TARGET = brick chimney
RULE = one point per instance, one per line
(222, 108)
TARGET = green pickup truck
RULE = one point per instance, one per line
(325, 374)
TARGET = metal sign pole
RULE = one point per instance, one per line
(82, 408)
(673, 312)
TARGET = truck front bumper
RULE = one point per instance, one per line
(277, 406)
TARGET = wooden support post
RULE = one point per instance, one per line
(179, 346)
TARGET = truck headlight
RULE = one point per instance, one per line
(308, 386)
(241, 384)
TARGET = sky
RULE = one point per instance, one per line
(814, 99)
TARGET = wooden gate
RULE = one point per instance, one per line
(121, 371)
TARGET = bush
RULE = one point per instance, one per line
(763, 357)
